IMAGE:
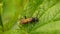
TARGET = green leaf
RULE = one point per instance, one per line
(48, 12)
(50, 28)
(11, 11)
(15, 32)
(1, 1)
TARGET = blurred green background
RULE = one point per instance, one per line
(12, 11)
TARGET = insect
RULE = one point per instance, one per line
(29, 20)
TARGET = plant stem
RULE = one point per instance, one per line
(1, 23)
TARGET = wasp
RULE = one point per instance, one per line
(29, 20)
